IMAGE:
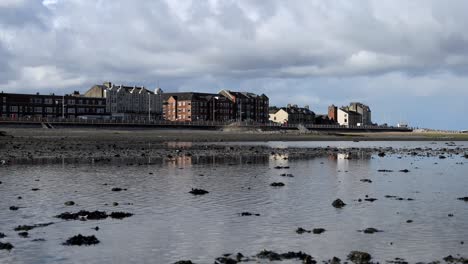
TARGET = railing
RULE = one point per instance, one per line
(205, 123)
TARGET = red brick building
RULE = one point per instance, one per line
(333, 113)
(196, 106)
(248, 106)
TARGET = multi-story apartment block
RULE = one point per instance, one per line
(129, 102)
(37, 105)
(363, 110)
(248, 106)
(190, 106)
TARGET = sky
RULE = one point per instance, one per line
(407, 60)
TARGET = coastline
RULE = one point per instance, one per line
(96, 144)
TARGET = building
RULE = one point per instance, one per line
(292, 115)
(333, 113)
(129, 102)
(348, 118)
(190, 106)
(248, 106)
(363, 110)
(37, 105)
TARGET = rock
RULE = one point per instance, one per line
(371, 230)
(35, 189)
(23, 234)
(184, 262)
(318, 230)
(370, 199)
(384, 170)
(381, 154)
(335, 260)
(450, 215)
(287, 175)
(442, 157)
(198, 191)
(463, 199)
(248, 214)
(14, 208)
(270, 255)
(69, 203)
(226, 260)
(115, 204)
(116, 189)
(366, 180)
(30, 227)
(301, 230)
(451, 259)
(359, 257)
(96, 228)
(120, 215)
(277, 184)
(338, 203)
(6, 246)
(81, 240)
(409, 221)
(405, 171)
(2, 235)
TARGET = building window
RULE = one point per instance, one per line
(38, 109)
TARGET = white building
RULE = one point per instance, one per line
(129, 102)
(348, 118)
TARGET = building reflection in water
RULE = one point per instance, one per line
(343, 159)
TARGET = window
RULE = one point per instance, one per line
(49, 109)
(14, 108)
(38, 109)
(48, 101)
(71, 110)
(4, 99)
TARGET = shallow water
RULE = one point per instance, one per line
(170, 224)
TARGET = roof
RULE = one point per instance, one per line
(183, 96)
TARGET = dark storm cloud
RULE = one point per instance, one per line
(271, 46)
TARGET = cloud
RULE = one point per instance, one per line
(364, 50)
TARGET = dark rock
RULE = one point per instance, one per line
(184, 262)
(81, 240)
(120, 215)
(226, 260)
(2, 235)
(463, 199)
(248, 214)
(83, 215)
(335, 260)
(277, 184)
(198, 191)
(6, 246)
(96, 228)
(115, 204)
(370, 199)
(366, 180)
(371, 230)
(23, 234)
(450, 215)
(338, 203)
(301, 230)
(359, 257)
(405, 171)
(318, 230)
(384, 170)
(38, 240)
(270, 255)
(30, 227)
(451, 259)
(14, 208)
(116, 189)
(409, 221)
(35, 189)
(442, 157)
(287, 175)
(381, 154)
(69, 203)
